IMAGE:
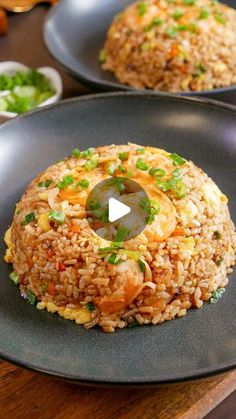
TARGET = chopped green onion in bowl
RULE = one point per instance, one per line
(23, 89)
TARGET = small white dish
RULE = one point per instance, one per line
(11, 67)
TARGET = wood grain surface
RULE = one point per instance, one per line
(26, 394)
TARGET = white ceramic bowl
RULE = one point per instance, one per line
(11, 67)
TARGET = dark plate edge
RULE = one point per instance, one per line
(151, 95)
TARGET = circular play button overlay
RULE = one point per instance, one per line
(118, 209)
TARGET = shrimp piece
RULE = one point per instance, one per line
(129, 282)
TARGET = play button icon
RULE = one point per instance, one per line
(117, 209)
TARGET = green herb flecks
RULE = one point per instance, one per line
(189, 2)
(219, 17)
(113, 259)
(76, 153)
(90, 306)
(67, 180)
(141, 164)
(141, 265)
(123, 156)
(28, 218)
(177, 14)
(83, 183)
(216, 295)
(58, 216)
(204, 14)
(45, 184)
(31, 297)
(154, 23)
(140, 151)
(87, 153)
(199, 70)
(111, 168)
(91, 163)
(142, 8)
(121, 234)
(177, 160)
(14, 277)
(154, 171)
(171, 32)
(118, 183)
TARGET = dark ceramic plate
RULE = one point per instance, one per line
(75, 31)
(198, 345)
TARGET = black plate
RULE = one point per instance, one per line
(198, 345)
(75, 31)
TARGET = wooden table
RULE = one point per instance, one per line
(24, 393)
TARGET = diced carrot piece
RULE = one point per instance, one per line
(51, 288)
(178, 232)
(75, 228)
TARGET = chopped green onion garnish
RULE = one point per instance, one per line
(177, 160)
(156, 172)
(111, 168)
(179, 188)
(58, 216)
(91, 163)
(140, 150)
(189, 2)
(83, 183)
(90, 306)
(220, 18)
(67, 180)
(141, 164)
(31, 297)
(87, 153)
(14, 277)
(199, 70)
(121, 234)
(177, 174)
(204, 13)
(45, 184)
(113, 260)
(163, 185)
(94, 205)
(28, 218)
(216, 295)
(118, 182)
(123, 156)
(142, 8)
(157, 21)
(171, 32)
(76, 153)
(129, 174)
(121, 168)
(177, 14)
(141, 265)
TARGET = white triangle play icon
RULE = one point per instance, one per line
(116, 210)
